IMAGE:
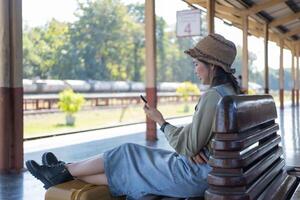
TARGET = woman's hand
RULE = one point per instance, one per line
(200, 158)
(154, 114)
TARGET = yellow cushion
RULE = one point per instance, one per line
(79, 190)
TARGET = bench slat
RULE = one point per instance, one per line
(249, 176)
(296, 195)
(233, 112)
(252, 192)
(280, 188)
(273, 186)
(244, 141)
(245, 134)
(245, 159)
(232, 182)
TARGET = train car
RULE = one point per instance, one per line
(91, 86)
(79, 85)
(100, 86)
(29, 87)
(168, 86)
(120, 86)
(50, 86)
(137, 87)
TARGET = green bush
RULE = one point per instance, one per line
(70, 103)
(186, 89)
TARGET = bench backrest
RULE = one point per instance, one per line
(246, 156)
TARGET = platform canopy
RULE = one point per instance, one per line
(281, 16)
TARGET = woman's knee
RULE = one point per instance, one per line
(127, 146)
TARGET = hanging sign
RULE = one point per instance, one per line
(188, 23)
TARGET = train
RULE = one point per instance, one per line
(91, 86)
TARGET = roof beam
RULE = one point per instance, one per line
(255, 28)
(262, 6)
(227, 9)
(196, 1)
(284, 19)
(218, 7)
(292, 32)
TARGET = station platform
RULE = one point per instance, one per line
(83, 145)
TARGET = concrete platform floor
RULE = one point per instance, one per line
(76, 147)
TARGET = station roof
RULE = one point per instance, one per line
(282, 17)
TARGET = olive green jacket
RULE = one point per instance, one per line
(191, 138)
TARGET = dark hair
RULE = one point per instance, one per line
(222, 77)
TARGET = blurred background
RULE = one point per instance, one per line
(84, 64)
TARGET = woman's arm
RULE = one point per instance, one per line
(154, 114)
(190, 139)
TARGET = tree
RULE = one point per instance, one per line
(136, 11)
(161, 46)
(104, 44)
(40, 48)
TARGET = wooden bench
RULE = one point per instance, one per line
(246, 157)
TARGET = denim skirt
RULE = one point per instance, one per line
(135, 171)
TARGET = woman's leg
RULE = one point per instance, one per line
(88, 167)
(97, 179)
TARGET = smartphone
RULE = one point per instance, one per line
(144, 99)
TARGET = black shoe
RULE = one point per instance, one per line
(49, 158)
(49, 175)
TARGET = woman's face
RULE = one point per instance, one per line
(202, 72)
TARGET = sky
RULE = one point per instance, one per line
(38, 12)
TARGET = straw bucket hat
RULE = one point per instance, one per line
(215, 49)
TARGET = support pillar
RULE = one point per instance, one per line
(245, 55)
(281, 78)
(151, 92)
(297, 75)
(293, 77)
(11, 90)
(266, 30)
(210, 16)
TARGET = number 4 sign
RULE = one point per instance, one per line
(187, 29)
(188, 23)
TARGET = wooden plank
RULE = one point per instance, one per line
(284, 20)
(227, 9)
(273, 186)
(291, 33)
(242, 142)
(221, 179)
(235, 171)
(265, 180)
(247, 158)
(228, 120)
(296, 195)
(239, 135)
(262, 6)
(254, 190)
(210, 17)
(240, 171)
(285, 189)
(196, 1)
(212, 195)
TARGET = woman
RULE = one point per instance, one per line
(136, 170)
